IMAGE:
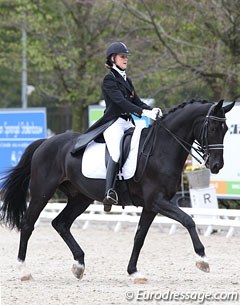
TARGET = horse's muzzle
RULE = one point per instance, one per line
(213, 164)
(216, 167)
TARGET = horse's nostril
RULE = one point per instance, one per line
(215, 169)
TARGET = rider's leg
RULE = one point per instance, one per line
(113, 136)
(110, 194)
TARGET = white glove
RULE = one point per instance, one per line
(158, 112)
(150, 114)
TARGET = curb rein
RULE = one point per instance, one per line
(203, 149)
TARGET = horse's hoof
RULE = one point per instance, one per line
(138, 278)
(202, 264)
(26, 277)
(78, 270)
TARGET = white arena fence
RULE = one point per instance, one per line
(227, 220)
(206, 219)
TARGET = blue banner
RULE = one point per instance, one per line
(19, 128)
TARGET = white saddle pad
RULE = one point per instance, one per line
(93, 162)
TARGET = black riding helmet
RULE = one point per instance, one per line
(116, 48)
(113, 49)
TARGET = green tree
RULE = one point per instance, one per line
(194, 45)
(180, 50)
(66, 42)
(10, 54)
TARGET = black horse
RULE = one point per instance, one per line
(47, 165)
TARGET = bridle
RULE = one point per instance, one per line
(203, 148)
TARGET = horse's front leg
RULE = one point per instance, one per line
(145, 222)
(172, 211)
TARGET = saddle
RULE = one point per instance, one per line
(96, 155)
(95, 159)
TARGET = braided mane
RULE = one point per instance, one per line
(183, 105)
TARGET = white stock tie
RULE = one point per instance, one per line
(121, 72)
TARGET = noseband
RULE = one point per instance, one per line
(205, 146)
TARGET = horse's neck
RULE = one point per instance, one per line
(182, 122)
(175, 136)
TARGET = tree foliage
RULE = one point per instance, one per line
(195, 42)
(180, 50)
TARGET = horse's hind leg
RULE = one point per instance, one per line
(62, 223)
(144, 224)
(27, 227)
(40, 197)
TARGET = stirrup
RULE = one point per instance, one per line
(111, 197)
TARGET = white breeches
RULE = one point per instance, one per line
(113, 135)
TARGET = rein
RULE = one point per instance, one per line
(202, 150)
(184, 144)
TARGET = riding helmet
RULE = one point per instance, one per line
(116, 48)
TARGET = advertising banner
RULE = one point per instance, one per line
(95, 112)
(19, 128)
(227, 182)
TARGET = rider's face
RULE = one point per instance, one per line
(121, 61)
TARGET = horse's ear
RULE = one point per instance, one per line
(218, 106)
(228, 107)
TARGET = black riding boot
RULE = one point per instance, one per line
(111, 196)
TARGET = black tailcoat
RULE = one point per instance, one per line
(121, 101)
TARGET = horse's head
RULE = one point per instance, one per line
(212, 135)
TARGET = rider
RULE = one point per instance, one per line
(121, 101)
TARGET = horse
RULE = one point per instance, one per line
(48, 165)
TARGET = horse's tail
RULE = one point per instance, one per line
(15, 187)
